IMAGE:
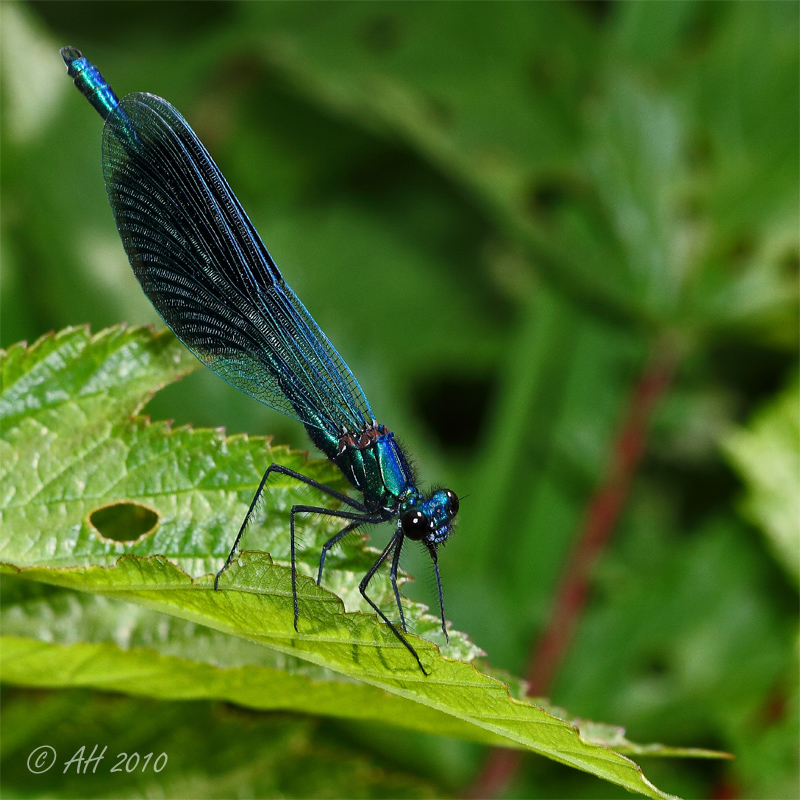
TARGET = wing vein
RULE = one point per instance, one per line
(204, 267)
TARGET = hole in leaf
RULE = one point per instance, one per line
(124, 522)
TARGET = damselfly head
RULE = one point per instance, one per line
(432, 520)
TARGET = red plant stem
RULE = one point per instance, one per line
(598, 526)
(600, 521)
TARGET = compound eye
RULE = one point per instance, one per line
(414, 524)
(452, 499)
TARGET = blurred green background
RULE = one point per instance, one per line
(499, 213)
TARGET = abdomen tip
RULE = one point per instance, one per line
(70, 54)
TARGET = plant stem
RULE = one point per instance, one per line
(600, 521)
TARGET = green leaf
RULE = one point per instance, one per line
(211, 751)
(72, 445)
(352, 644)
(613, 736)
(765, 453)
(68, 640)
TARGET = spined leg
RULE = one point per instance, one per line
(393, 575)
(441, 598)
(330, 543)
(279, 468)
(358, 519)
(362, 587)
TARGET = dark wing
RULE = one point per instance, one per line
(207, 272)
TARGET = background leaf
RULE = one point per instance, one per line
(211, 750)
(766, 455)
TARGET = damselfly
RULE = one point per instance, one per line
(209, 275)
